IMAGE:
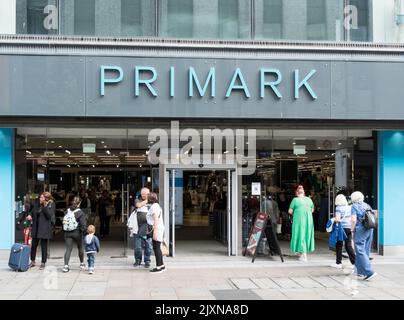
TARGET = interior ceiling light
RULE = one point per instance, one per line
(28, 152)
(60, 146)
(68, 152)
(52, 141)
(102, 142)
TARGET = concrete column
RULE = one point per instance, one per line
(7, 188)
(334, 19)
(259, 18)
(66, 19)
(244, 23)
(294, 19)
(163, 19)
(108, 18)
(205, 18)
(390, 166)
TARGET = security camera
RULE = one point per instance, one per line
(200, 165)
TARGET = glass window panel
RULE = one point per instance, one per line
(137, 18)
(316, 20)
(361, 33)
(84, 17)
(268, 19)
(32, 17)
(208, 19)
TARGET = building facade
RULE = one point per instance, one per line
(84, 83)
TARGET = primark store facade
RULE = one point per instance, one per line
(84, 85)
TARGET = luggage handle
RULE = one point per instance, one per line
(19, 249)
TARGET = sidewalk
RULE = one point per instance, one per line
(204, 277)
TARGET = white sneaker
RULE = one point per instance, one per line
(66, 269)
(350, 266)
(303, 258)
(336, 266)
(82, 266)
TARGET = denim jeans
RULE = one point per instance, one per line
(139, 243)
(363, 241)
(91, 260)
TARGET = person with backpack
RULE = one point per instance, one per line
(43, 218)
(363, 234)
(74, 227)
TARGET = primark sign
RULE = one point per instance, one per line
(204, 83)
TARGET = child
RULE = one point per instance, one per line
(92, 245)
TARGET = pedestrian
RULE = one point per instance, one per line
(85, 205)
(362, 237)
(92, 245)
(103, 203)
(286, 221)
(155, 218)
(140, 230)
(343, 217)
(42, 217)
(301, 208)
(74, 226)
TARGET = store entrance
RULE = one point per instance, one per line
(201, 207)
(103, 167)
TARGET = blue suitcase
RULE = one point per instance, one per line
(19, 257)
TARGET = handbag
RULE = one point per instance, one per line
(110, 211)
(369, 219)
(164, 249)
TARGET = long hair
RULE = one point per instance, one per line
(47, 196)
(152, 198)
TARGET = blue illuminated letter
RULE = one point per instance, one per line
(304, 83)
(194, 79)
(271, 84)
(146, 82)
(104, 81)
(243, 86)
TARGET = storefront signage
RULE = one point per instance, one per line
(269, 79)
(89, 147)
(256, 189)
(299, 149)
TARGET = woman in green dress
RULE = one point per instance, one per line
(302, 208)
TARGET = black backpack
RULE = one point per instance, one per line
(369, 219)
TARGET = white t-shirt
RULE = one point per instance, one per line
(155, 209)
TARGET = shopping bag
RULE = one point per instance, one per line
(164, 249)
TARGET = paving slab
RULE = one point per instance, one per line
(327, 282)
(243, 283)
(265, 283)
(286, 283)
(270, 294)
(307, 282)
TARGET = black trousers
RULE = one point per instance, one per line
(104, 225)
(348, 248)
(70, 237)
(44, 249)
(158, 253)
